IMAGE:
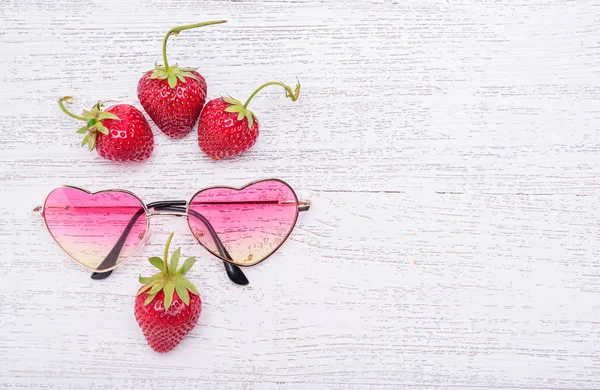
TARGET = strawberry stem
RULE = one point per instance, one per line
(166, 259)
(69, 113)
(177, 30)
(288, 91)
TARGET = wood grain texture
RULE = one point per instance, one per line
(450, 149)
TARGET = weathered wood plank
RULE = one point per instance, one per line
(450, 149)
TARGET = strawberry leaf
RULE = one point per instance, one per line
(92, 141)
(233, 109)
(182, 292)
(180, 77)
(143, 289)
(149, 299)
(87, 114)
(157, 262)
(156, 287)
(231, 100)
(187, 284)
(188, 74)
(92, 122)
(101, 128)
(188, 69)
(149, 279)
(172, 79)
(86, 139)
(169, 288)
(108, 115)
(159, 74)
(240, 115)
(82, 130)
(175, 260)
(250, 118)
(186, 266)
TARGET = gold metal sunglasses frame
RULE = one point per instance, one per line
(232, 267)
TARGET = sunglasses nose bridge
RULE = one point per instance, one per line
(167, 214)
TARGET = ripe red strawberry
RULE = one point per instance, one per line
(168, 306)
(228, 128)
(174, 96)
(119, 133)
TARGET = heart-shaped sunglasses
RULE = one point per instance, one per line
(242, 226)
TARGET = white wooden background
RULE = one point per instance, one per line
(450, 148)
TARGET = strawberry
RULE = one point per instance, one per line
(228, 128)
(119, 133)
(174, 96)
(167, 306)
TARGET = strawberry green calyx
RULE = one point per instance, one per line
(169, 279)
(242, 109)
(93, 121)
(174, 73)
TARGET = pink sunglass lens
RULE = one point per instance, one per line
(247, 224)
(88, 227)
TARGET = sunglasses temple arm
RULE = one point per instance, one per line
(113, 255)
(235, 274)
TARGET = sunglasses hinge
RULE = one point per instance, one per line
(304, 205)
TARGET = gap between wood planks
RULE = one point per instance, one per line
(440, 192)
